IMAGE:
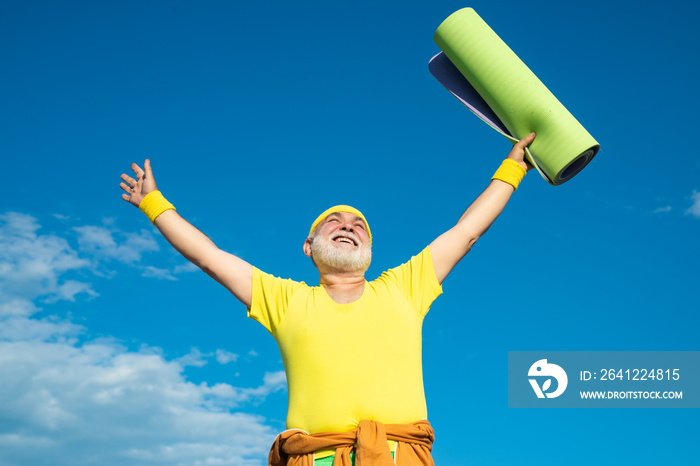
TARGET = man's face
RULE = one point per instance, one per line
(341, 243)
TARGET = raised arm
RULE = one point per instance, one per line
(450, 247)
(232, 272)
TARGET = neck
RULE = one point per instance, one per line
(343, 287)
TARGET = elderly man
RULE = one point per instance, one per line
(351, 348)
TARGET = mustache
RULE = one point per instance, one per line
(347, 234)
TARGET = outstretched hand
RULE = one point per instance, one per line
(136, 189)
(517, 153)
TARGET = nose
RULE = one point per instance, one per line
(348, 228)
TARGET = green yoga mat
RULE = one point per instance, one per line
(503, 91)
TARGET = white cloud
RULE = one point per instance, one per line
(225, 357)
(97, 403)
(150, 271)
(22, 329)
(108, 243)
(69, 289)
(100, 242)
(17, 307)
(663, 209)
(275, 381)
(694, 209)
(194, 358)
(31, 264)
(186, 267)
(71, 400)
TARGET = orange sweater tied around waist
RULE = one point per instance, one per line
(414, 442)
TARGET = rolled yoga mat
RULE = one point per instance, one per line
(501, 90)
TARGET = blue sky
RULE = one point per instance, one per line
(258, 116)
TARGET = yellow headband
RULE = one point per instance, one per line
(340, 208)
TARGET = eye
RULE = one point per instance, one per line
(361, 226)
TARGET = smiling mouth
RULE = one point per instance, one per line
(344, 239)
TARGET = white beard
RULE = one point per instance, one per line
(340, 258)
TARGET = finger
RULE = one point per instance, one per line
(128, 180)
(148, 169)
(126, 187)
(126, 197)
(137, 170)
(526, 141)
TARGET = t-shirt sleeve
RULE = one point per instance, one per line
(270, 299)
(417, 281)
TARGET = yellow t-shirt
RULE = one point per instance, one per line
(348, 362)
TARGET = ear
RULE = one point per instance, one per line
(307, 247)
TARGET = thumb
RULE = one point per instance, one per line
(526, 141)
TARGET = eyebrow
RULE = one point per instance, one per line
(337, 215)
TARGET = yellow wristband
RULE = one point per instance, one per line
(510, 172)
(153, 205)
